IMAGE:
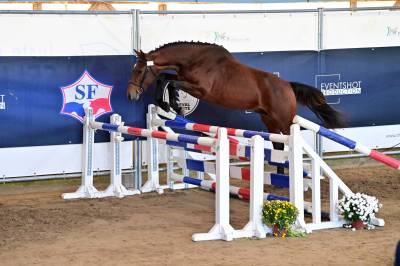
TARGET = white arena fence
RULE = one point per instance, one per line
(71, 35)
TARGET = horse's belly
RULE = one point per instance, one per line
(230, 101)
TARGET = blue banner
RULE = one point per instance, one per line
(42, 98)
(367, 81)
(32, 95)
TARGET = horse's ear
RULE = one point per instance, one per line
(137, 53)
(144, 55)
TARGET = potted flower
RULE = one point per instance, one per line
(358, 209)
(279, 215)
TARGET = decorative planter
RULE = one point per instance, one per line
(358, 225)
(279, 233)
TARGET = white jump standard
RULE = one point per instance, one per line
(297, 147)
(87, 190)
(250, 145)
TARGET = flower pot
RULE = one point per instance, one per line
(358, 225)
(279, 233)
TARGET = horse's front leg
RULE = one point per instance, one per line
(191, 88)
(159, 93)
(173, 97)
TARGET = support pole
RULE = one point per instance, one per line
(318, 139)
(86, 190)
(255, 227)
(137, 145)
(116, 189)
(296, 172)
(333, 200)
(316, 191)
(135, 30)
(170, 166)
(222, 229)
(185, 170)
(153, 179)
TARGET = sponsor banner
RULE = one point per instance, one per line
(86, 92)
(361, 29)
(363, 83)
(65, 34)
(236, 32)
(186, 102)
(41, 99)
(332, 86)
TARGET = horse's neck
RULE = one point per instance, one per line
(177, 55)
(191, 64)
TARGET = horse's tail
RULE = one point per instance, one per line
(315, 100)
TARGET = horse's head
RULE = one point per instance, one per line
(143, 75)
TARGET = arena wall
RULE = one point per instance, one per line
(43, 53)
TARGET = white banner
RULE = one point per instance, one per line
(111, 34)
(58, 159)
(378, 137)
(65, 34)
(361, 29)
(236, 32)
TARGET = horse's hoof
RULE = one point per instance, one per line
(181, 112)
(165, 106)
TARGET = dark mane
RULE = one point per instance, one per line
(173, 44)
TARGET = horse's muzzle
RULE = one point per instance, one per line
(133, 96)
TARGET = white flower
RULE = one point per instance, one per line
(359, 204)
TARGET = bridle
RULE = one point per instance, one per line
(140, 85)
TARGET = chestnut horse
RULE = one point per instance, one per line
(209, 72)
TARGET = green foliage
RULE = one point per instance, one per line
(296, 233)
(280, 213)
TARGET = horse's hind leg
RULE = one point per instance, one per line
(275, 126)
(280, 147)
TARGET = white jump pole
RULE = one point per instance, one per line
(222, 229)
